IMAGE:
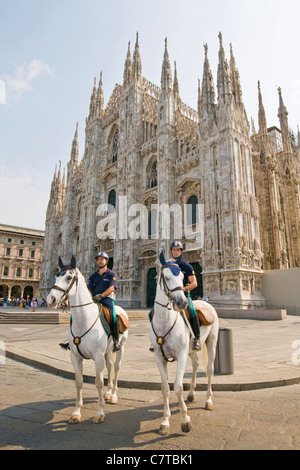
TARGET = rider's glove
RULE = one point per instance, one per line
(97, 298)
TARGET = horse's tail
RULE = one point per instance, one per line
(204, 356)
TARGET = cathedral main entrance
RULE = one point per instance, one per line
(151, 287)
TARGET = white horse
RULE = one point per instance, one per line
(87, 337)
(171, 338)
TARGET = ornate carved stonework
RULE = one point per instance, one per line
(147, 145)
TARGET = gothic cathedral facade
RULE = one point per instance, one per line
(237, 190)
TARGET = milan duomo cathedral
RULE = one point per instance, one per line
(147, 147)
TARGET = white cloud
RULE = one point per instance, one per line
(2, 92)
(23, 77)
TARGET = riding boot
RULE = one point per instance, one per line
(115, 336)
(194, 321)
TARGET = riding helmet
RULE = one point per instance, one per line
(103, 254)
(176, 244)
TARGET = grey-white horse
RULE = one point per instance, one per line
(87, 337)
(171, 338)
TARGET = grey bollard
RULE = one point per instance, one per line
(224, 353)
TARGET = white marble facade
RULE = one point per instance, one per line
(147, 147)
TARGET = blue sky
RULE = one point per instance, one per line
(51, 50)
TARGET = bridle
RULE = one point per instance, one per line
(165, 286)
(161, 339)
(66, 291)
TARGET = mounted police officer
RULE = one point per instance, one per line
(189, 283)
(102, 284)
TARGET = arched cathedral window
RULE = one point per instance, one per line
(115, 147)
(152, 176)
(111, 201)
(192, 210)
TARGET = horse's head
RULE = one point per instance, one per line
(171, 281)
(65, 283)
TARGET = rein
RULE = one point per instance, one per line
(161, 339)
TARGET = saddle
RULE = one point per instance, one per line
(205, 316)
(121, 319)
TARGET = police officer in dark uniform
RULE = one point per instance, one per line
(190, 283)
(102, 284)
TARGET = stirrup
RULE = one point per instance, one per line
(65, 346)
(117, 346)
(196, 345)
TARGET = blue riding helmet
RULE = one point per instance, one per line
(103, 254)
(176, 244)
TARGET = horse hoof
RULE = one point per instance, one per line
(191, 398)
(75, 419)
(107, 396)
(113, 400)
(164, 430)
(98, 419)
(209, 406)
(186, 427)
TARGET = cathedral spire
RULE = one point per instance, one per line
(75, 147)
(166, 73)
(127, 76)
(199, 99)
(100, 97)
(137, 63)
(235, 79)
(59, 172)
(262, 122)
(93, 102)
(283, 118)
(208, 89)
(176, 84)
(224, 82)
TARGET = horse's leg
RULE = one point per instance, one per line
(118, 359)
(165, 424)
(195, 365)
(78, 368)
(186, 424)
(108, 359)
(211, 344)
(99, 365)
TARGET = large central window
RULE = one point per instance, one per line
(192, 210)
(115, 147)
